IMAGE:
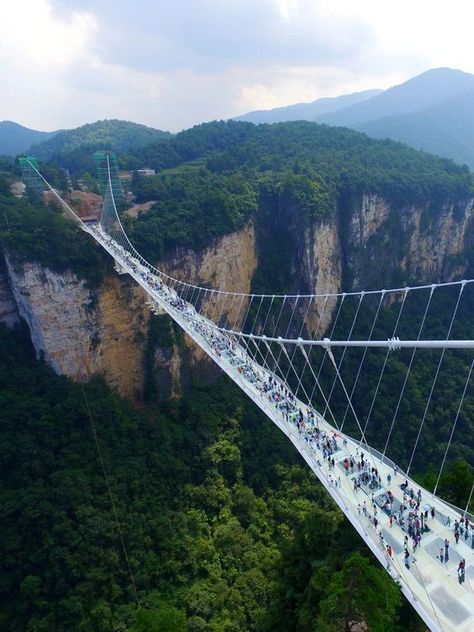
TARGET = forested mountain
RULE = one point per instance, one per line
(73, 149)
(16, 139)
(446, 129)
(432, 111)
(306, 111)
(226, 530)
(216, 173)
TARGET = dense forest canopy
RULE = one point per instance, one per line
(310, 167)
(73, 149)
(225, 529)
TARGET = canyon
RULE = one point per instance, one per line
(83, 331)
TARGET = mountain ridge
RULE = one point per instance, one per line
(305, 111)
(16, 138)
(424, 90)
(73, 148)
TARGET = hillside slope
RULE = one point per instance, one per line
(446, 129)
(73, 148)
(15, 139)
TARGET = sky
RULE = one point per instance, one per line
(172, 65)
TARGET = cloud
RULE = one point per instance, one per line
(36, 51)
(210, 34)
(33, 37)
(172, 64)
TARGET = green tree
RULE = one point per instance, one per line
(164, 619)
(359, 594)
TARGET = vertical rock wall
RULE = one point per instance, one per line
(83, 332)
(8, 307)
(79, 332)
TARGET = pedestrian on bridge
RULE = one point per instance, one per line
(407, 558)
(446, 549)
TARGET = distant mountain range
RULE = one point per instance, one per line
(307, 111)
(446, 128)
(16, 139)
(433, 111)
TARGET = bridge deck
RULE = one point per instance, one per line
(431, 584)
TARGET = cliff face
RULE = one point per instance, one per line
(420, 244)
(82, 332)
(229, 264)
(8, 307)
(321, 267)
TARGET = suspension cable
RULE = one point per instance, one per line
(438, 368)
(382, 372)
(109, 490)
(382, 295)
(454, 426)
(407, 373)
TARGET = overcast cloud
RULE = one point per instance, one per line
(173, 64)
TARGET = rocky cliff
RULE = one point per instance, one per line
(419, 244)
(82, 332)
(367, 244)
(8, 307)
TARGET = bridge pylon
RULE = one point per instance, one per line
(110, 186)
(30, 175)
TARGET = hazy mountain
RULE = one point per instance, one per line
(16, 139)
(433, 111)
(306, 111)
(446, 128)
(425, 90)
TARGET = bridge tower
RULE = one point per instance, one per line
(30, 175)
(109, 181)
